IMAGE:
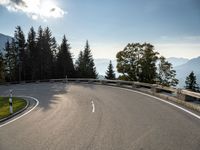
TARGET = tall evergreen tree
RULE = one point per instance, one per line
(21, 49)
(54, 49)
(17, 66)
(33, 54)
(191, 83)
(40, 54)
(65, 64)
(85, 64)
(166, 74)
(79, 65)
(8, 62)
(110, 74)
(11, 61)
(2, 77)
(48, 49)
(90, 69)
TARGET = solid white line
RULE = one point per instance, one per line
(37, 102)
(93, 106)
(174, 105)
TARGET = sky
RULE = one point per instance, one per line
(172, 26)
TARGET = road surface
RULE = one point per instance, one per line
(95, 117)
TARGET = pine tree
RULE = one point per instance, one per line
(166, 74)
(40, 54)
(48, 51)
(110, 74)
(2, 78)
(85, 66)
(89, 66)
(65, 64)
(191, 83)
(17, 66)
(79, 65)
(11, 61)
(33, 54)
(21, 49)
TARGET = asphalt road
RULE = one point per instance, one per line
(95, 117)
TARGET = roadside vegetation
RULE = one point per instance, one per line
(138, 62)
(40, 57)
(191, 83)
(18, 104)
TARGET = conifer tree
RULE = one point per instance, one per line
(88, 61)
(65, 64)
(79, 65)
(46, 47)
(85, 66)
(1, 67)
(110, 74)
(21, 49)
(191, 83)
(48, 51)
(11, 62)
(33, 54)
(40, 53)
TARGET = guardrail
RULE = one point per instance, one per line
(146, 87)
(153, 89)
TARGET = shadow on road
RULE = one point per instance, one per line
(46, 93)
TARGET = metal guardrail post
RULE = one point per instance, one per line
(134, 86)
(180, 95)
(90, 81)
(153, 89)
(118, 84)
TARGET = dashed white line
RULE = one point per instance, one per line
(37, 102)
(93, 106)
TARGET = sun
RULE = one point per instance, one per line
(43, 9)
(50, 9)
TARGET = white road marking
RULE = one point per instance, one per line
(174, 105)
(37, 102)
(93, 106)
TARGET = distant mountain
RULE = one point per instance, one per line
(3, 40)
(184, 70)
(177, 61)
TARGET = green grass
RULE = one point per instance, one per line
(18, 104)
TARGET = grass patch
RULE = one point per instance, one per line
(18, 104)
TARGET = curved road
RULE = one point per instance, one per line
(95, 117)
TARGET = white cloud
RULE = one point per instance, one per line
(35, 9)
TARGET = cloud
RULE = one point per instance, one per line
(35, 9)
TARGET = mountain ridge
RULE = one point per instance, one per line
(3, 39)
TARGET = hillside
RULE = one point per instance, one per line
(3, 40)
(185, 69)
(177, 61)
